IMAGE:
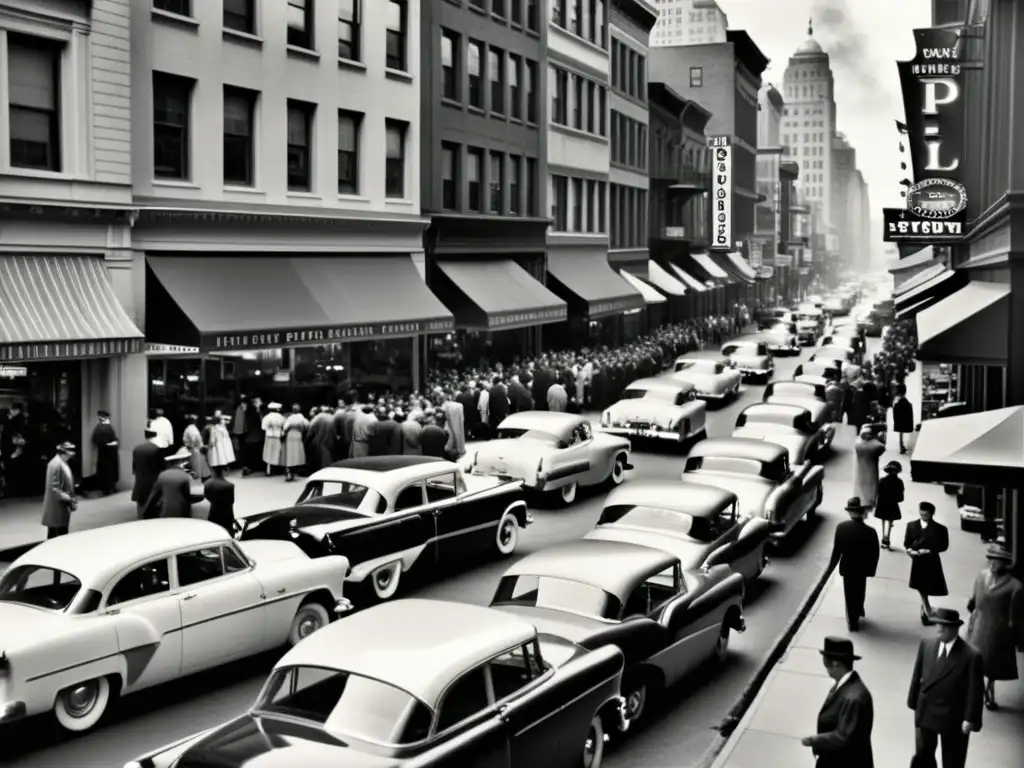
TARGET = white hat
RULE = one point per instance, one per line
(274, 406)
(183, 454)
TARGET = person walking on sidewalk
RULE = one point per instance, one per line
(273, 436)
(868, 451)
(924, 542)
(192, 439)
(855, 550)
(59, 499)
(890, 494)
(295, 428)
(902, 415)
(946, 691)
(848, 714)
(147, 464)
(996, 627)
(172, 493)
(220, 492)
(104, 438)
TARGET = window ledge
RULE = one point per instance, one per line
(175, 18)
(239, 190)
(516, 120)
(582, 40)
(303, 53)
(352, 64)
(532, 32)
(39, 173)
(499, 18)
(453, 103)
(175, 183)
(299, 194)
(398, 74)
(245, 38)
(476, 110)
(404, 201)
(597, 138)
(477, 9)
(498, 116)
(345, 197)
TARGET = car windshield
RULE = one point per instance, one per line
(784, 329)
(748, 350)
(768, 417)
(40, 586)
(509, 433)
(793, 389)
(736, 465)
(664, 395)
(336, 493)
(557, 594)
(669, 520)
(700, 366)
(346, 703)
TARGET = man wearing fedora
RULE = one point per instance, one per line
(946, 693)
(855, 550)
(848, 714)
(172, 493)
(59, 496)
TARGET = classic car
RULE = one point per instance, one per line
(424, 683)
(666, 619)
(751, 358)
(781, 339)
(795, 389)
(553, 452)
(766, 318)
(839, 306)
(759, 473)
(831, 370)
(874, 322)
(841, 338)
(713, 379)
(809, 325)
(102, 613)
(845, 358)
(659, 409)
(389, 514)
(791, 426)
(813, 398)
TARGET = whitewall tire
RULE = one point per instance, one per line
(506, 539)
(722, 644)
(307, 620)
(385, 580)
(79, 707)
(567, 493)
(593, 747)
(618, 470)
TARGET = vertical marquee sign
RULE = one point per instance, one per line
(721, 192)
(777, 204)
(936, 206)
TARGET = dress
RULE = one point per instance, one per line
(273, 430)
(295, 427)
(890, 494)
(865, 470)
(193, 441)
(926, 573)
(220, 452)
(996, 627)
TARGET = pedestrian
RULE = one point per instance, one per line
(433, 438)
(161, 426)
(946, 693)
(996, 627)
(252, 439)
(104, 439)
(147, 464)
(320, 439)
(59, 499)
(868, 451)
(220, 451)
(411, 429)
(924, 541)
(847, 715)
(483, 406)
(273, 436)
(294, 430)
(192, 439)
(902, 415)
(557, 398)
(890, 494)
(238, 426)
(220, 492)
(454, 418)
(855, 550)
(172, 494)
(386, 439)
(343, 418)
(362, 432)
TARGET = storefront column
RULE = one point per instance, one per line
(416, 344)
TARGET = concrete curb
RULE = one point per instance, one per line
(722, 745)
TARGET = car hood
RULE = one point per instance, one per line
(653, 411)
(751, 491)
(22, 626)
(794, 442)
(548, 621)
(704, 382)
(251, 741)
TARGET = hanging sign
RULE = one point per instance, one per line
(721, 192)
(777, 203)
(755, 247)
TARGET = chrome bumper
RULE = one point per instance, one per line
(12, 710)
(343, 605)
(654, 434)
(756, 371)
(712, 396)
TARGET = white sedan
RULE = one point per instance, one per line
(110, 611)
(713, 379)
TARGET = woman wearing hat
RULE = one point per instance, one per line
(996, 628)
(924, 541)
(890, 494)
(273, 433)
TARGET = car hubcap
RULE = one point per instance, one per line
(506, 533)
(308, 625)
(383, 579)
(635, 703)
(569, 492)
(81, 699)
(590, 749)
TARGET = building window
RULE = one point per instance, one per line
(558, 12)
(498, 7)
(531, 186)
(577, 102)
(559, 97)
(515, 170)
(496, 74)
(300, 145)
(474, 170)
(180, 7)
(560, 203)
(577, 205)
(349, 124)
(394, 171)
(300, 23)
(481, 4)
(602, 110)
(532, 22)
(348, 29)
(591, 205)
(576, 21)
(517, 11)
(591, 106)
(696, 77)
(33, 72)
(531, 91)
(171, 102)
(515, 95)
(449, 177)
(449, 65)
(602, 30)
(601, 191)
(496, 178)
(476, 94)
(239, 122)
(240, 15)
(641, 78)
(396, 54)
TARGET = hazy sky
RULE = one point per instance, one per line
(865, 39)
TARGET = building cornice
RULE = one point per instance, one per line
(641, 13)
(69, 212)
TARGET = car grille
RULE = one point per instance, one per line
(639, 424)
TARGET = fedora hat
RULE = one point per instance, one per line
(66, 447)
(893, 466)
(853, 504)
(999, 552)
(838, 648)
(946, 616)
(183, 454)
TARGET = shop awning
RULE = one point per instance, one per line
(586, 280)
(922, 258)
(663, 281)
(919, 279)
(709, 266)
(257, 302)
(61, 307)
(934, 290)
(651, 296)
(970, 327)
(984, 449)
(687, 279)
(496, 295)
(735, 265)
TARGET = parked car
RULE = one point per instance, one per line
(659, 409)
(841, 338)
(713, 379)
(553, 453)
(111, 611)
(389, 514)
(759, 473)
(795, 389)
(425, 683)
(781, 340)
(667, 620)
(800, 395)
(766, 318)
(791, 426)
(831, 370)
(838, 306)
(751, 358)
(844, 358)
(810, 323)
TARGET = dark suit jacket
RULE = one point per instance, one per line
(147, 464)
(386, 439)
(171, 495)
(945, 695)
(220, 492)
(497, 404)
(543, 378)
(519, 397)
(469, 408)
(855, 548)
(433, 440)
(844, 727)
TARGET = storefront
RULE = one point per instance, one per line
(704, 268)
(739, 271)
(928, 288)
(655, 313)
(680, 306)
(699, 294)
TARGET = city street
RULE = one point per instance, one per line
(682, 725)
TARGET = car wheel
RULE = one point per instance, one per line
(385, 580)
(507, 537)
(722, 643)
(79, 707)
(636, 701)
(567, 493)
(618, 470)
(307, 620)
(593, 747)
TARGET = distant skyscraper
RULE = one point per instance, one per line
(688, 22)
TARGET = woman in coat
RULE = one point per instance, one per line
(220, 452)
(902, 415)
(192, 439)
(996, 627)
(295, 428)
(273, 434)
(925, 540)
(868, 451)
(890, 494)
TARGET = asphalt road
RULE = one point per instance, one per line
(678, 728)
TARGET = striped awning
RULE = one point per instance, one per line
(651, 296)
(663, 281)
(61, 307)
(709, 266)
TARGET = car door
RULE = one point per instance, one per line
(467, 716)
(223, 610)
(725, 550)
(655, 598)
(463, 526)
(148, 620)
(577, 462)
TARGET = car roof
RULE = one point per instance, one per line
(693, 499)
(420, 646)
(384, 463)
(376, 475)
(96, 555)
(542, 421)
(666, 383)
(738, 448)
(612, 566)
(777, 409)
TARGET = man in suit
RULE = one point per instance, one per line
(847, 716)
(172, 492)
(543, 378)
(147, 464)
(59, 495)
(855, 550)
(220, 492)
(104, 438)
(946, 693)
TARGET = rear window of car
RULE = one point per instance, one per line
(768, 417)
(40, 586)
(739, 466)
(557, 594)
(508, 433)
(794, 388)
(673, 521)
(335, 493)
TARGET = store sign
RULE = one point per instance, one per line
(777, 205)
(511, 319)
(806, 256)
(13, 371)
(721, 192)
(302, 337)
(805, 271)
(615, 306)
(170, 349)
(69, 350)
(784, 259)
(755, 247)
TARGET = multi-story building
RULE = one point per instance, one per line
(768, 212)
(689, 22)
(844, 165)
(484, 167)
(786, 257)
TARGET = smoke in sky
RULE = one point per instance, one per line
(849, 50)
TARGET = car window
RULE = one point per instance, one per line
(510, 433)
(335, 493)
(685, 397)
(465, 698)
(409, 497)
(738, 465)
(729, 349)
(652, 594)
(441, 488)
(557, 594)
(145, 581)
(233, 562)
(199, 565)
(726, 519)
(586, 432)
(513, 671)
(39, 586)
